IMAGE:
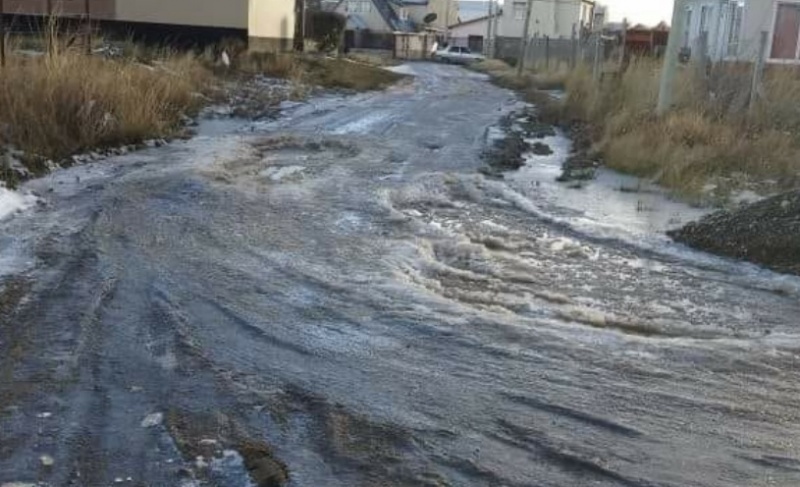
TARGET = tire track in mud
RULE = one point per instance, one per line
(383, 316)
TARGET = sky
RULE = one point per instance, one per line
(649, 12)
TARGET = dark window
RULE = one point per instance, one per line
(786, 32)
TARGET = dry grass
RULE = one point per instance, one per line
(531, 79)
(709, 145)
(321, 71)
(51, 107)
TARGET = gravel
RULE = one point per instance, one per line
(766, 233)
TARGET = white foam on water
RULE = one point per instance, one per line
(12, 202)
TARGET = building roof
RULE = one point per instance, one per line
(472, 9)
(385, 9)
(476, 20)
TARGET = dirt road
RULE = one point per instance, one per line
(338, 298)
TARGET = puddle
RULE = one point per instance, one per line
(613, 205)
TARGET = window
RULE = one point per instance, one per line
(705, 17)
(786, 32)
(359, 6)
(519, 11)
(403, 14)
(687, 33)
(735, 15)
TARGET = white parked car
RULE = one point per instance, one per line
(457, 55)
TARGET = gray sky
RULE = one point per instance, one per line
(648, 12)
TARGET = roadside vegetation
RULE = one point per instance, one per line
(708, 147)
(56, 105)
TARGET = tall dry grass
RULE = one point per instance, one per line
(710, 144)
(54, 106)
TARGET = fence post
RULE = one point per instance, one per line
(758, 69)
(547, 53)
(624, 44)
(597, 57)
(671, 58)
(88, 40)
(50, 26)
(2, 35)
(486, 48)
(524, 41)
(573, 55)
(701, 58)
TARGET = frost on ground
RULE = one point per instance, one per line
(12, 201)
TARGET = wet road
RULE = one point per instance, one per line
(343, 290)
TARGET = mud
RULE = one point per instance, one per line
(338, 297)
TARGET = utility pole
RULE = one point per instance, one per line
(486, 47)
(523, 46)
(671, 57)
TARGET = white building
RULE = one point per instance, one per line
(734, 27)
(551, 18)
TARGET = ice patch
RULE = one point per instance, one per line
(361, 125)
(403, 69)
(12, 202)
(279, 173)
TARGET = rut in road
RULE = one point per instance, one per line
(340, 298)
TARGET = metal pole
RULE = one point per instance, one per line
(447, 22)
(2, 35)
(597, 57)
(88, 40)
(50, 27)
(624, 45)
(523, 45)
(758, 69)
(574, 47)
(671, 57)
(547, 53)
(486, 48)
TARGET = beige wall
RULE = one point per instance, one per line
(273, 22)
(209, 13)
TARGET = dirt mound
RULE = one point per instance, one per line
(766, 233)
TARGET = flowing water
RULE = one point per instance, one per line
(343, 287)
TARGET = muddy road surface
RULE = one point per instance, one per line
(339, 298)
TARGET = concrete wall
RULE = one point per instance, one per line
(209, 13)
(551, 18)
(758, 16)
(271, 24)
(476, 28)
(100, 9)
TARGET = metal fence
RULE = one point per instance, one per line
(545, 52)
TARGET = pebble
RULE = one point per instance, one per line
(47, 460)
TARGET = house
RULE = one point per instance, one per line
(471, 33)
(551, 18)
(472, 9)
(734, 28)
(372, 24)
(269, 24)
(557, 19)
